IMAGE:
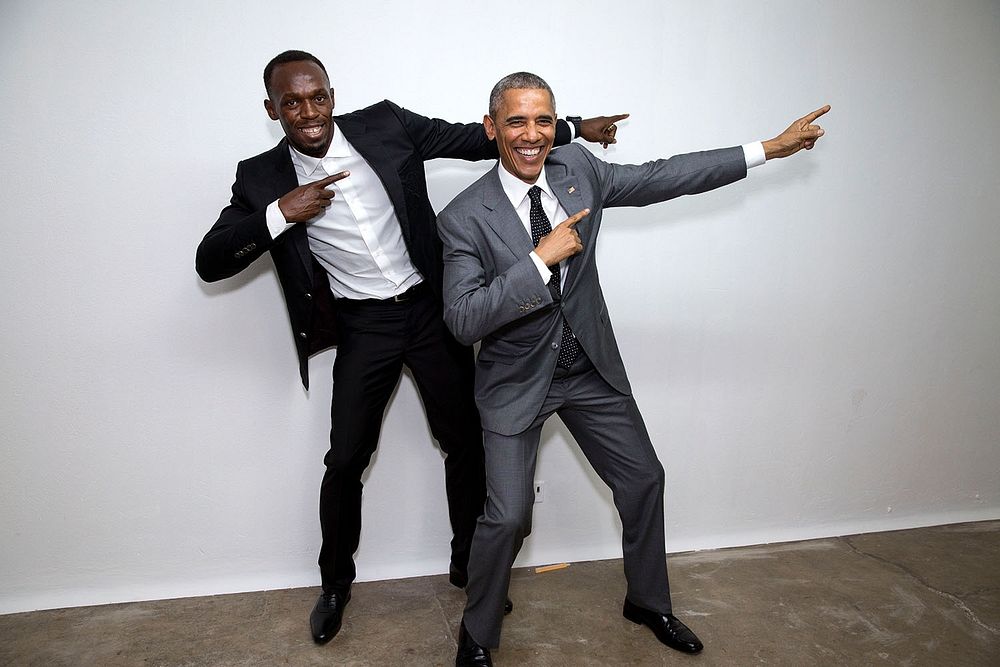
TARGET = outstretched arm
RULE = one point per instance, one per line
(436, 138)
(802, 133)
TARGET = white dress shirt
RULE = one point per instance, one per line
(357, 239)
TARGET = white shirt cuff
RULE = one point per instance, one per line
(543, 270)
(276, 222)
(754, 154)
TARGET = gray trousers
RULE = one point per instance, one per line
(609, 430)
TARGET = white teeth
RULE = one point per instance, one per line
(529, 152)
(312, 130)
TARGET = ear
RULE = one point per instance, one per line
(333, 99)
(491, 130)
(270, 109)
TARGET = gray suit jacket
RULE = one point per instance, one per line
(493, 292)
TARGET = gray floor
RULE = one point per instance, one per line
(919, 597)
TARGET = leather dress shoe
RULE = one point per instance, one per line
(327, 615)
(471, 654)
(667, 628)
(459, 578)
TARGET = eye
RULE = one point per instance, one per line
(320, 99)
(291, 103)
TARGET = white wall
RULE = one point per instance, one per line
(819, 353)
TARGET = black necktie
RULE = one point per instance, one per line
(569, 347)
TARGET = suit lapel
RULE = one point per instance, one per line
(503, 219)
(567, 190)
(284, 181)
(377, 157)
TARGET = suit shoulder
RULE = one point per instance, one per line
(378, 112)
(571, 154)
(574, 159)
(469, 197)
(266, 160)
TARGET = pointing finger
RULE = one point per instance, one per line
(323, 182)
(816, 114)
(575, 218)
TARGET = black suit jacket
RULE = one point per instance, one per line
(395, 142)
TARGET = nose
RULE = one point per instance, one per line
(309, 109)
(531, 132)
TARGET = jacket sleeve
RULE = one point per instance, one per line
(475, 306)
(237, 238)
(436, 138)
(660, 180)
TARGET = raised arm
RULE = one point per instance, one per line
(436, 138)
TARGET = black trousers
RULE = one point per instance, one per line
(376, 339)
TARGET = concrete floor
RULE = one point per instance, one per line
(929, 596)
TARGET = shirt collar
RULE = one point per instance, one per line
(339, 148)
(516, 189)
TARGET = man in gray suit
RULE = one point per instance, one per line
(531, 294)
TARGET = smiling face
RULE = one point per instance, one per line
(524, 127)
(300, 97)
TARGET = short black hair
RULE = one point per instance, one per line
(288, 57)
(517, 81)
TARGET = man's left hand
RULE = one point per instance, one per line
(803, 133)
(601, 129)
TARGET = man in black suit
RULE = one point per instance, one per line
(341, 204)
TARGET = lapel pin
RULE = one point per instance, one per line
(571, 190)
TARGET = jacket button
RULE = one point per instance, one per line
(302, 334)
(309, 296)
(555, 346)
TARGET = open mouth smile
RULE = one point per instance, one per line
(312, 131)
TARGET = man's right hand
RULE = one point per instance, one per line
(307, 201)
(561, 242)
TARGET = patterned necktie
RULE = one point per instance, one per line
(569, 347)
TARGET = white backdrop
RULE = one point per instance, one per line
(820, 354)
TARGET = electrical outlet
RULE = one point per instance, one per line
(539, 492)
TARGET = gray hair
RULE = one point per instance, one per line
(517, 80)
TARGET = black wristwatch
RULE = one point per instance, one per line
(576, 120)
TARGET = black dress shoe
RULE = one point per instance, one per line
(667, 628)
(459, 578)
(471, 654)
(327, 615)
